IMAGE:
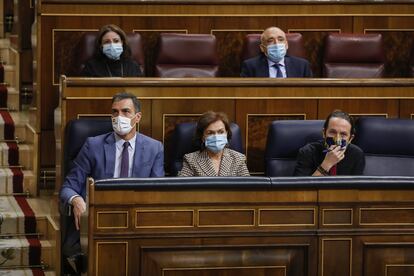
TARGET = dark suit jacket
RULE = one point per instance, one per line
(311, 156)
(104, 67)
(258, 67)
(96, 159)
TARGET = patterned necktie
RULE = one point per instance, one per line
(125, 161)
(278, 71)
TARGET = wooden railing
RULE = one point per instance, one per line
(252, 226)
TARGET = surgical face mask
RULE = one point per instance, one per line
(121, 125)
(216, 143)
(338, 141)
(113, 50)
(276, 52)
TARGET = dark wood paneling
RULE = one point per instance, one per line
(336, 256)
(112, 258)
(361, 107)
(262, 260)
(385, 216)
(387, 258)
(208, 218)
(174, 244)
(336, 216)
(229, 22)
(397, 45)
(164, 218)
(407, 109)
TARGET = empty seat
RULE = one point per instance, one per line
(353, 56)
(183, 143)
(186, 55)
(252, 41)
(388, 145)
(284, 139)
(85, 50)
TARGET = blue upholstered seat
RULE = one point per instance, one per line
(284, 140)
(388, 145)
(76, 133)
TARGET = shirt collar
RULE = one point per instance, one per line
(119, 142)
(281, 62)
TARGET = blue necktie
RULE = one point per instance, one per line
(125, 161)
(278, 71)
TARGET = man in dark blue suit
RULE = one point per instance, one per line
(273, 61)
(121, 153)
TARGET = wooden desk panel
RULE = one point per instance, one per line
(248, 231)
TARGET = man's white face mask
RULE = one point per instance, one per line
(121, 125)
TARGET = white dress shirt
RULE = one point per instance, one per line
(119, 145)
(272, 69)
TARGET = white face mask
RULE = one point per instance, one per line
(121, 125)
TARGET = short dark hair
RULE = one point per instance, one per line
(340, 114)
(125, 95)
(205, 120)
(112, 28)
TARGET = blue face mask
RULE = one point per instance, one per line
(216, 143)
(112, 50)
(276, 52)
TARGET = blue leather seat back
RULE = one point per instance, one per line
(76, 133)
(183, 143)
(388, 145)
(284, 139)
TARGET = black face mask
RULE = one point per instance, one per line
(330, 141)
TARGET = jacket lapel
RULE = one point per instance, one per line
(205, 164)
(289, 68)
(110, 152)
(138, 156)
(225, 164)
(263, 68)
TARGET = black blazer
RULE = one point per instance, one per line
(104, 67)
(258, 67)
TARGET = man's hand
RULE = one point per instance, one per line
(333, 157)
(79, 207)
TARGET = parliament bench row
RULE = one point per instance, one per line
(388, 143)
(195, 55)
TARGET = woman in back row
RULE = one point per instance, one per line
(214, 157)
(112, 56)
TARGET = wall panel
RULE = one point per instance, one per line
(62, 22)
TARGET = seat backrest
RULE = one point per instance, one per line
(85, 50)
(186, 55)
(388, 145)
(284, 139)
(251, 46)
(76, 133)
(183, 143)
(353, 56)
